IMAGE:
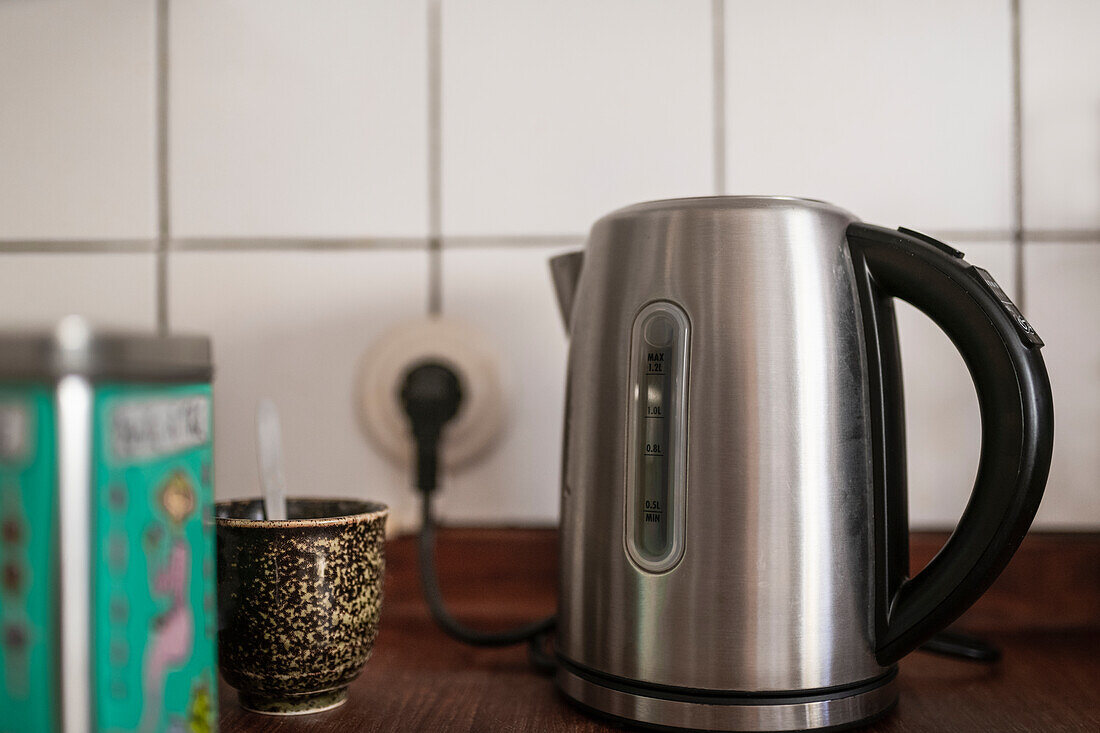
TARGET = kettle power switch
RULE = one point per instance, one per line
(1026, 330)
(1023, 328)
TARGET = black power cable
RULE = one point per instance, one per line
(432, 594)
(432, 395)
(957, 645)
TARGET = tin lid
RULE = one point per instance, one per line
(75, 348)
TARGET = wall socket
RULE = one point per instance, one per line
(474, 430)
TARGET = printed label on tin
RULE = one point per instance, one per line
(14, 431)
(28, 477)
(154, 619)
(153, 427)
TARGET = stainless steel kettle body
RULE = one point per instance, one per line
(733, 540)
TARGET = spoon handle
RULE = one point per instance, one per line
(270, 444)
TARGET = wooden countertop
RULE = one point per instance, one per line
(1044, 613)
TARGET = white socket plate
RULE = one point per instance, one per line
(382, 368)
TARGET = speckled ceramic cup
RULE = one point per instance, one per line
(298, 600)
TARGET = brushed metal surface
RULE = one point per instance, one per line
(774, 591)
(565, 269)
(74, 347)
(841, 711)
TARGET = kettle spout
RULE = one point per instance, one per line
(566, 270)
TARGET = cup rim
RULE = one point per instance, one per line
(374, 510)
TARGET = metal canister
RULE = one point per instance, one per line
(107, 589)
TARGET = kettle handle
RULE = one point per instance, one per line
(1001, 350)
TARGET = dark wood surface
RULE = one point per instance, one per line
(1044, 612)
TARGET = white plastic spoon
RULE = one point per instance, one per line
(269, 441)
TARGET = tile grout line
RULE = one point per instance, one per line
(462, 241)
(162, 180)
(435, 151)
(78, 246)
(718, 51)
(1018, 238)
(1064, 236)
(294, 244)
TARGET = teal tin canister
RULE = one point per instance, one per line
(107, 589)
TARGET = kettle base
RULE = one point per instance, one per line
(646, 706)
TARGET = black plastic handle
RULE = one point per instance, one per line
(1001, 350)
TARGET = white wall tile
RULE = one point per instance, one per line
(942, 422)
(1064, 306)
(557, 113)
(507, 294)
(1061, 97)
(897, 111)
(293, 118)
(291, 326)
(108, 289)
(76, 119)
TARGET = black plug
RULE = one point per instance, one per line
(431, 395)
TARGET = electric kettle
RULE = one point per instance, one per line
(734, 549)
